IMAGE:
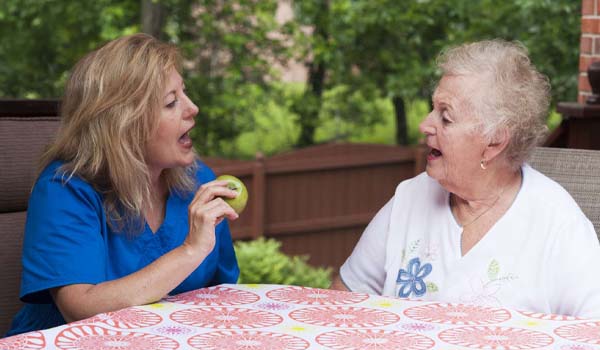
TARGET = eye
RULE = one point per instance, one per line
(172, 104)
(445, 117)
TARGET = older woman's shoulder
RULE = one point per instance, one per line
(536, 180)
(539, 187)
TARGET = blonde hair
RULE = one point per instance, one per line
(109, 111)
(516, 97)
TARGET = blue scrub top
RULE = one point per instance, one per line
(68, 241)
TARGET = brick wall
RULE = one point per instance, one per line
(590, 44)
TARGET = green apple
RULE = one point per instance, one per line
(233, 183)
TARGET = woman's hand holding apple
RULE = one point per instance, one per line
(206, 211)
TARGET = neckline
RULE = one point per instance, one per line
(165, 218)
(458, 228)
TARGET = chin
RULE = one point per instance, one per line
(189, 159)
(432, 173)
(185, 163)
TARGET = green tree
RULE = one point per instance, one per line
(42, 39)
(550, 29)
(230, 49)
(388, 48)
(391, 46)
(317, 15)
(358, 52)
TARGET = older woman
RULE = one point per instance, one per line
(481, 226)
(122, 212)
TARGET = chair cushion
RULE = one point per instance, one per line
(11, 227)
(22, 140)
(578, 171)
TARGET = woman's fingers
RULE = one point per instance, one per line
(203, 218)
(210, 190)
(206, 211)
(212, 211)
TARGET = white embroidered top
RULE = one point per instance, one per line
(541, 256)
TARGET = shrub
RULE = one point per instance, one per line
(262, 262)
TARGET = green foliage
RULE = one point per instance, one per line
(228, 47)
(372, 51)
(274, 128)
(382, 131)
(230, 52)
(550, 29)
(392, 45)
(261, 261)
(42, 39)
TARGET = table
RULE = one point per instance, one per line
(289, 317)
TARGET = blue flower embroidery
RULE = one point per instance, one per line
(411, 279)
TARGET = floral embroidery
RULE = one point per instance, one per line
(431, 252)
(483, 292)
(412, 247)
(432, 287)
(411, 279)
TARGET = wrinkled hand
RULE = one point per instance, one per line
(206, 211)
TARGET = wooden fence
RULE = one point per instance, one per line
(318, 200)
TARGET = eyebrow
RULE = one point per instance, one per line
(443, 100)
(174, 92)
(179, 83)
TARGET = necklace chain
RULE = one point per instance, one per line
(485, 211)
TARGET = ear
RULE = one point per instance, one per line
(497, 145)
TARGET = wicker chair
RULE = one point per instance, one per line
(25, 128)
(578, 171)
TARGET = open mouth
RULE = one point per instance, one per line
(434, 153)
(185, 139)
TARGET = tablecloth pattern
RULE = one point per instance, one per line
(291, 317)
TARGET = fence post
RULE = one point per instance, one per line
(258, 197)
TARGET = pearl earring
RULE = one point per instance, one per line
(482, 164)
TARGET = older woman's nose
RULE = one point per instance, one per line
(426, 127)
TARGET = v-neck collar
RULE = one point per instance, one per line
(457, 229)
(165, 221)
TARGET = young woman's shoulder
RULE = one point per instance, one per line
(203, 172)
(57, 177)
(57, 188)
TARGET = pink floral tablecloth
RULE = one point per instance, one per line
(289, 317)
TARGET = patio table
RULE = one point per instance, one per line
(251, 316)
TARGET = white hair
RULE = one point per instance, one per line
(516, 96)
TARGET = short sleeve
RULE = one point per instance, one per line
(63, 241)
(364, 270)
(575, 259)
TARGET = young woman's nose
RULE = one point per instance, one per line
(191, 109)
